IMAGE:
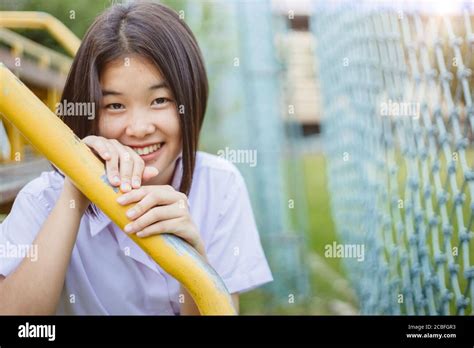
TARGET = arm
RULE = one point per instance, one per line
(41, 282)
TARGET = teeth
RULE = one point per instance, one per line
(147, 150)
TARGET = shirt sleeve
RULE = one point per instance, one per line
(235, 250)
(19, 230)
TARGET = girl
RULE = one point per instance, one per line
(141, 67)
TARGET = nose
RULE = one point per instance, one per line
(140, 125)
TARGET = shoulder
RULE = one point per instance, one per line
(217, 175)
(218, 167)
(45, 188)
(217, 183)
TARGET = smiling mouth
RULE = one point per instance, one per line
(146, 150)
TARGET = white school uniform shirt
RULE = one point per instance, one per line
(109, 274)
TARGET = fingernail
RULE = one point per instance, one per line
(116, 180)
(140, 234)
(125, 186)
(136, 182)
(128, 228)
(131, 213)
(121, 199)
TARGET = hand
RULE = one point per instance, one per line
(161, 209)
(132, 168)
(124, 167)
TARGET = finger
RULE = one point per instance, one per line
(102, 147)
(89, 139)
(98, 146)
(154, 215)
(147, 204)
(125, 166)
(150, 196)
(176, 226)
(112, 164)
(134, 195)
(150, 172)
(169, 188)
(138, 169)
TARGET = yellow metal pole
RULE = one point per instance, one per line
(5, 144)
(41, 20)
(62, 147)
(52, 98)
(17, 146)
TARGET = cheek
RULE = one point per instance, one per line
(108, 128)
(174, 130)
(177, 132)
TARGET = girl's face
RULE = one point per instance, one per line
(139, 111)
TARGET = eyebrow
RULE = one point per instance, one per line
(160, 85)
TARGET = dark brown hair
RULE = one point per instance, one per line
(155, 32)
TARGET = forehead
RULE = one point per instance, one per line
(127, 71)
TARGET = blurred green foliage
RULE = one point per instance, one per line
(331, 293)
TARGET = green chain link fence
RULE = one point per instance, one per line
(398, 128)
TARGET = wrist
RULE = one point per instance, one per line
(74, 198)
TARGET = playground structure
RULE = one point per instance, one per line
(44, 71)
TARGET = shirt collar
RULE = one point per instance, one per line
(125, 243)
(98, 223)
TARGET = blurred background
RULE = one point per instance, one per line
(351, 123)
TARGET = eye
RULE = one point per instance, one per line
(160, 101)
(115, 106)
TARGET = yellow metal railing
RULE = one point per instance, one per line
(41, 20)
(46, 57)
(20, 45)
(62, 147)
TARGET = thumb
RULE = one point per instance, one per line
(150, 172)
